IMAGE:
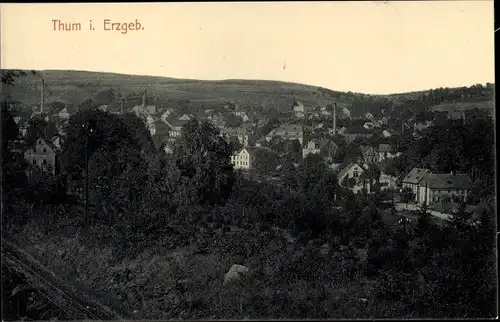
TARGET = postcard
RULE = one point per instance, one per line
(248, 160)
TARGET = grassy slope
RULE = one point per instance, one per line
(76, 86)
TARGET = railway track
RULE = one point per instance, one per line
(73, 303)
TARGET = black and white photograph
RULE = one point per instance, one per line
(248, 161)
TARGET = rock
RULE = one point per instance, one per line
(235, 273)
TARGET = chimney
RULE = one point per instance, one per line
(41, 96)
(144, 100)
(334, 118)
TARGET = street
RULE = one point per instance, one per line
(413, 207)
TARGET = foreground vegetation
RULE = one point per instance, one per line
(163, 230)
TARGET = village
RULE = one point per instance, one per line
(354, 148)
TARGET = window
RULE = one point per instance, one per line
(34, 161)
(34, 149)
(44, 149)
(44, 161)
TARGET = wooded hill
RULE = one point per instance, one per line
(73, 88)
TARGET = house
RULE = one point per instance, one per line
(368, 125)
(420, 126)
(243, 159)
(287, 132)
(243, 134)
(57, 142)
(175, 127)
(350, 177)
(168, 112)
(387, 181)
(344, 113)
(385, 151)
(321, 146)
(22, 125)
(370, 155)
(42, 153)
(299, 110)
(103, 108)
(354, 132)
(161, 143)
(186, 117)
(159, 128)
(335, 166)
(385, 134)
(413, 180)
(243, 115)
(443, 188)
(63, 114)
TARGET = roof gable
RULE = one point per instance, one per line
(416, 175)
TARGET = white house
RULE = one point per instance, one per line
(385, 151)
(63, 114)
(243, 115)
(243, 159)
(103, 108)
(299, 110)
(317, 146)
(386, 134)
(350, 176)
(368, 125)
(413, 180)
(387, 181)
(42, 153)
(186, 117)
(442, 188)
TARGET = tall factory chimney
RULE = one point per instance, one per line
(144, 100)
(334, 118)
(41, 96)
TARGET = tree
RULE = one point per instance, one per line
(38, 126)
(204, 158)
(265, 161)
(293, 149)
(461, 220)
(407, 195)
(310, 172)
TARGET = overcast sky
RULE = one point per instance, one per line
(370, 47)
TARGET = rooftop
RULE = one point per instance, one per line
(447, 181)
(416, 175)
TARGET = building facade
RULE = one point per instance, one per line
(444, 188)
(243, 159)
(413, 180)
(41, 153)
(287, 132)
